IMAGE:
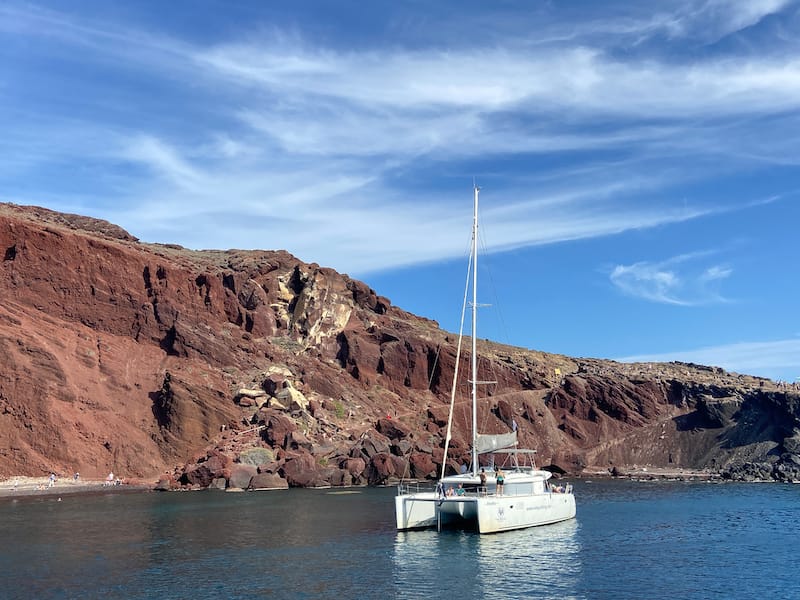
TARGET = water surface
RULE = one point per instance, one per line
(630, 540)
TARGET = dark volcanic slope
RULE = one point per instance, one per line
(117, 355)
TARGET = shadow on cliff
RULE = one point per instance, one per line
(161, 400)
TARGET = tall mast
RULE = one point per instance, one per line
(475, 333)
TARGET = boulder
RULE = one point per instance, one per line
(392, 429)
(384, 467)
(219, 483)
(203, 473)
(370, 444)
(355, 467)
(277, 427)
(341, 478)
(292, 398)
(241, 475)
(422, 466)
(256, 456)
(268, 481)
(299, 469)
(296, 440)
(401, 448)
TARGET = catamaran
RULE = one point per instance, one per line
(508, 492)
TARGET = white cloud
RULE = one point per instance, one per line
(673, 281)
(165, 161)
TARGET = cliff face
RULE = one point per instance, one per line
(253, 368)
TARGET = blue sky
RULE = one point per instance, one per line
(638, 161)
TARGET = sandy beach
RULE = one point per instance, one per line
(40, 486)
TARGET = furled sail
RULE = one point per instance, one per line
(489, 443)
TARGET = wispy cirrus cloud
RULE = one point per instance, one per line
(283, 130)
(583, 79)
(682, 280)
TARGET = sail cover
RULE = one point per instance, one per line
(489, 443)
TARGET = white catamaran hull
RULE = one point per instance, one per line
(485, 514)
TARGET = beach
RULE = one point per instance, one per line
(40, 486)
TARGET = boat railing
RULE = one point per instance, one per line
(415, 487)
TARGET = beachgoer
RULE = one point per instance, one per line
(52, 480)
(500, 477)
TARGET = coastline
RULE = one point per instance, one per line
(28, 487)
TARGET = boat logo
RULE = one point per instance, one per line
(501, 513)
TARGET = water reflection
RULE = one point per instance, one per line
(540, 561)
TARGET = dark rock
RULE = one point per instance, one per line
(372, 443)
(392, 429)
(277, 427)
(381, 468)
(296, 440)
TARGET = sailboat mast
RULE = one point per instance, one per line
(475, 333)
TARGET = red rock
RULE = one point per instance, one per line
(268, 481)
(241, 475)
(422, 466)
(392, 429)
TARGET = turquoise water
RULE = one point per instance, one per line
(630, 540)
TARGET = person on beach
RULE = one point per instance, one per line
(52, 480)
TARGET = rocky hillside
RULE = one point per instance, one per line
(253, 369)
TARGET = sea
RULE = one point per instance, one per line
(631, 539)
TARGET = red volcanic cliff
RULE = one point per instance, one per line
(254, 369)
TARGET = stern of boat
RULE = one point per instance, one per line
(414, 507)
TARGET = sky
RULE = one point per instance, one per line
(638, 162)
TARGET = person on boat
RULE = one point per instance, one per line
(460, 491)
(500, 477)
(483, 480)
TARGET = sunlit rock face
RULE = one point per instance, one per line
(251, 369)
